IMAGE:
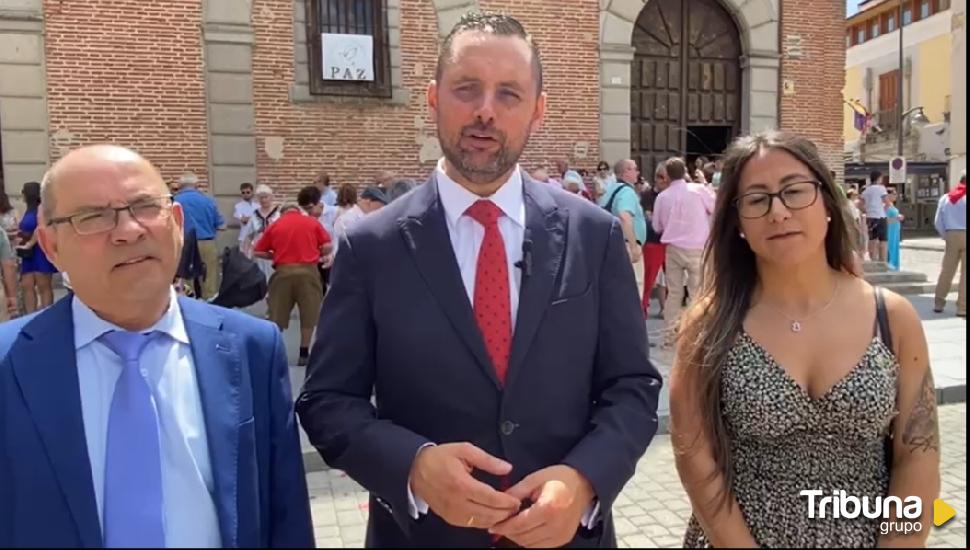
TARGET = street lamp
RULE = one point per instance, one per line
(899, 90)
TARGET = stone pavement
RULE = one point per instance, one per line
(653, 509)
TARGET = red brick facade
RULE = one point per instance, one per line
(132, 72)
(128, 72)
(354, 143)
(819, 75)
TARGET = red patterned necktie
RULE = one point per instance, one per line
(493, 308)
(492, 304)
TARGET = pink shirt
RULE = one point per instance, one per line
(682, 215)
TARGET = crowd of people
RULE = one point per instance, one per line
(480, 362)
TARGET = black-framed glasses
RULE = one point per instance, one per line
(795, 196)
(99, 220)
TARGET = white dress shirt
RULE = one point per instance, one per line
(466, 241)
(467, 234)
(244, 209)
(190, 518)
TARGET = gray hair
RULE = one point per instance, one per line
(620, 166)
(263, 189)
(661, 168)
(189, 179)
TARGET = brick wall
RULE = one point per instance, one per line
(815, 109)
(354, 142)
(128, 72)
(351, 142)
(568, 38)
(131, 72)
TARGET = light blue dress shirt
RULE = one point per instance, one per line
(189, 509)
(951, 217)
(329, 197)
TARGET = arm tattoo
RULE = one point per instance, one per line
(922, 431)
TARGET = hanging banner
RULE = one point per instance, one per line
(348, 57)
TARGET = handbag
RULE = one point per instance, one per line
(26, 253)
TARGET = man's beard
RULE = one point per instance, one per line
(500, 163)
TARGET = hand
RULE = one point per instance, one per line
(561, 496)
(636, 253)
(12, 308)
(441, 476)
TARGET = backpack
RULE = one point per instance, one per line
(243, 282)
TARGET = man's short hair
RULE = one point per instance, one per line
(490, 23)
(676, 168)
(308, 196)
(188, 179)
(620, 166)
(246, 185)
(875, 177)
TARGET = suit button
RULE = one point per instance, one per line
(507, 427)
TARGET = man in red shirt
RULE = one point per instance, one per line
(295, 243)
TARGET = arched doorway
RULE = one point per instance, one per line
(685, 81)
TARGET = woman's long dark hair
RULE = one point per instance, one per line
(710, 329)
(5, 205)
(31, 193)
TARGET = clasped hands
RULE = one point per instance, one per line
(442, 477)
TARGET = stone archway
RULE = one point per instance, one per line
(760, 62)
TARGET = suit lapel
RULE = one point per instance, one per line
(218, 372)
(425, 233)
(45, 365)
(545, 226)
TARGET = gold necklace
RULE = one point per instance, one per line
(796, 325)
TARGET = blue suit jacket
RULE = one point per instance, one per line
(46, 493)
(580, 389)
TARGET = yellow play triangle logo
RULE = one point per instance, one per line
(942, 512)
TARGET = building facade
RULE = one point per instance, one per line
(238, 90)
(921, 89)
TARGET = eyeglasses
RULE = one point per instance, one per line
(99, 220)
(795, 196)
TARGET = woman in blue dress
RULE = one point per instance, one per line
(36, 271)
(895, 220)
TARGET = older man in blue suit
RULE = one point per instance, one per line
(497, 320)
(130, 417)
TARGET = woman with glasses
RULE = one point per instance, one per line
(36, 271)
(792, 373)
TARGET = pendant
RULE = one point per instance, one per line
(796, 326)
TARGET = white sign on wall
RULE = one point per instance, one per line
(348, 57)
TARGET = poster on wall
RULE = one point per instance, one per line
(348, 57)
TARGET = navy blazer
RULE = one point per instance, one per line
(580, 389)
(46, 493)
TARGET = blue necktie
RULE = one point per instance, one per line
(133, 465)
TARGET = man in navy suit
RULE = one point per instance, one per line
(130, 417)
(496, 321)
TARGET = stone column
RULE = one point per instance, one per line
(23, 94)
